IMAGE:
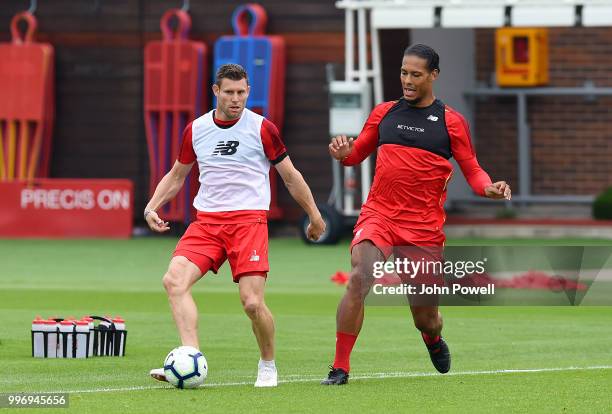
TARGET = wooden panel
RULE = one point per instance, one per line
(301, 47)
(207, 16)
(78, 16)
(283, 16)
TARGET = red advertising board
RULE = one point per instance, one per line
(66, 208)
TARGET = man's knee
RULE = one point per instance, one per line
(253, 307)
(363, 257)
(176, 280)
(359, 283)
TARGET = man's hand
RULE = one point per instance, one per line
(498, 191)
(155, 223)
(315, 228)
(340, 147)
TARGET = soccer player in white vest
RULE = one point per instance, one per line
(234, 148)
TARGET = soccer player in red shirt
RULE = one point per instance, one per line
(234, 148)
(415, 136)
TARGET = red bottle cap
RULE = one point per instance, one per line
(82, 323)
(66, 322)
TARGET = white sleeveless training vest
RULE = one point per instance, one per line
(234, 169)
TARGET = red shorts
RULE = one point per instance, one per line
(386, 235)
(413, 244)
(241, 237)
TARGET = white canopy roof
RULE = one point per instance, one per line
(399, 14)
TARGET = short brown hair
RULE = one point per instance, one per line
(231, 71)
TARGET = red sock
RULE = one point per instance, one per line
(428, 340)
(344, 346)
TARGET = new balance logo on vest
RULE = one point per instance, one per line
(226, 148)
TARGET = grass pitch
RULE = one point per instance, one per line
(505, 359)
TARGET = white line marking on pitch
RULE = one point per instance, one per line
(376, 375)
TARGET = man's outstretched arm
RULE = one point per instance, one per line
(480, 181)
(165, 191)
(301, 193)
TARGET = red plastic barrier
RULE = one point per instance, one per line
(65, 208)
(26, 104)
(175, 83)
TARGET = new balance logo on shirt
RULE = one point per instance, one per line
(254, 256)
(226, 148)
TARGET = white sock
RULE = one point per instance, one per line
(268, 364)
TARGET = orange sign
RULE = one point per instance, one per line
(521, 56)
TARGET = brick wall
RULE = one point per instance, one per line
(571, 136)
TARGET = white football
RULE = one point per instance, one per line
(185, 367)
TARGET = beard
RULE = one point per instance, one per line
(414, 101)
(229, 115)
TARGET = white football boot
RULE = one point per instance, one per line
(158, 374)
(266, 374)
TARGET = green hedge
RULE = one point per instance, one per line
(602, 206)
